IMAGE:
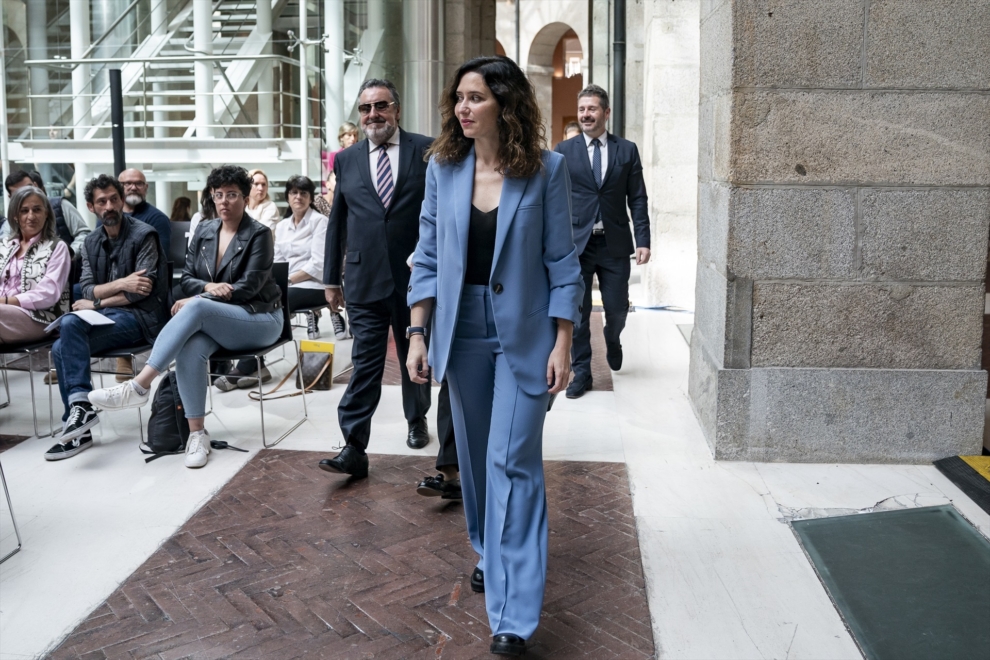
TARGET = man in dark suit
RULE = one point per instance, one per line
(606, 176)
(373, 228)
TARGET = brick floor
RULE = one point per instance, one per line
(289, 562)
(600, 372)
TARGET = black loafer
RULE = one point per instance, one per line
(348, 461)
(419, 434)
(439, 487)
(577, 388)
(512, 645)
(613, 355)
(478, 581)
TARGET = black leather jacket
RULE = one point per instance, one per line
(247, 265)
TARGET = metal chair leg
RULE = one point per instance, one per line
(305, 410)
(34, 407)
(6, 384)
(17, 533)
(51, 408)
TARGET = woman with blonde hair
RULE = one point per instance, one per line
(259, 203)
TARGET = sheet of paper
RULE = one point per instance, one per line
(90, 316)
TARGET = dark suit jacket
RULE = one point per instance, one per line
(623, 184)
(373, 241)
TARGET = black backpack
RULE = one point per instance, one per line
(168, 428)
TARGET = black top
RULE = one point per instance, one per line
(481, 246)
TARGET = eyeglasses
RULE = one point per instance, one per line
(230, 197)
(380, 106)
(136, 184)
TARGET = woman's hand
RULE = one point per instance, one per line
(179, 304)
(559, 364)
(220, 290)
(416, 360)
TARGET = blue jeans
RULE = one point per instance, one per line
(79, 340)
(197, 332)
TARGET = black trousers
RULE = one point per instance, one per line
(445, 429)
(613, 281)
(369, 325)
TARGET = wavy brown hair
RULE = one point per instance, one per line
(522, 137)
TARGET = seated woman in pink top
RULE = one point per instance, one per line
(34, 267)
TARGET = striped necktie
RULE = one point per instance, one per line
(596, 162)
(385, 187)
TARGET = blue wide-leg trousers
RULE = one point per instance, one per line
(499, 434)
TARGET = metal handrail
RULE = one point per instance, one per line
(112, 27)
(165, 59)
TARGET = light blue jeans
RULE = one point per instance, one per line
(197, 332)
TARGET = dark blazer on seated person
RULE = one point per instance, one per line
(377, 240)
(623, 184)
(246, 265)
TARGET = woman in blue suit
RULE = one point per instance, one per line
(497, 268)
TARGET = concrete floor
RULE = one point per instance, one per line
(726, 577)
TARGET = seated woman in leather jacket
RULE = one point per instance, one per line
(233, 303)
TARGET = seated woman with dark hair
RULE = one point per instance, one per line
(299, 241)
(234, 303)
(34, 267)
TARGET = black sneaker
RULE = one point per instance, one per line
(339, 326)
(312, 325)
(70, 448)
(82, 417)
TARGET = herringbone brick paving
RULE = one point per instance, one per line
(289, 562)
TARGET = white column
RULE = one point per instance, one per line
(303, 93)
(266, 83)
(81, 103)
(334, 69)
(159, 26)
(376, 14)
(422, 44)
(37, 49)
(4, 153)
(203, 43)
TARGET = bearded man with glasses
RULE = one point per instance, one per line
(373, 228)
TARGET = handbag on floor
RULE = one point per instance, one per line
(168, 427)
(315, 368)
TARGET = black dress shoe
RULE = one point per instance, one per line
(613, 355)
(439, 487)
(513, 645)
(478, 581)
(577, 388)
(348, 461)
(419, 434)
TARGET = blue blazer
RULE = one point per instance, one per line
(536, 273)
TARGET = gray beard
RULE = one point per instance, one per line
(379, 133)
(133, 200)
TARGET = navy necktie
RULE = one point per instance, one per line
(596, 162)
(384, 176)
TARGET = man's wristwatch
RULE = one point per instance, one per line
(96, 303)
(415, 330)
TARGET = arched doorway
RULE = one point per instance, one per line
(556, 64)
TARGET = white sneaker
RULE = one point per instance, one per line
(118, 397)
(197, 449)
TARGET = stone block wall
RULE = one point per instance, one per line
(844, 210)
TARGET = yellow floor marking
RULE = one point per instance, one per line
(979, 463)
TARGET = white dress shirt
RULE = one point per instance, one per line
(393, 158)
(603, 138)
(266, 213)
(302, 246)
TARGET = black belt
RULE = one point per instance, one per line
(598, 232)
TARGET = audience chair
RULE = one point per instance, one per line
(17, 533)
(30, 349)
(281, 273)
